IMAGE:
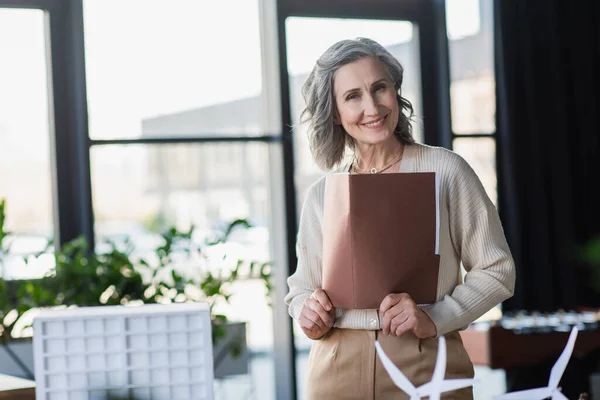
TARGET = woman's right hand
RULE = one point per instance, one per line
(317, 315)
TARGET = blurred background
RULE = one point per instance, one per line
(121, 119)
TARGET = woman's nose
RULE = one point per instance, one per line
(371, 105)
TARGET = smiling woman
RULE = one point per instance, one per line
(354, 104)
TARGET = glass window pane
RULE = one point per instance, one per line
(172, 68)
(139, 190)
(308, 38)
(480, 153)
(26, 179)
(472, 81)
(150, 187)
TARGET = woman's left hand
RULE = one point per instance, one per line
(401, 314)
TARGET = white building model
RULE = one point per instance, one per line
(116, 352)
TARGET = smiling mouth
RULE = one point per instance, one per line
(375, 124)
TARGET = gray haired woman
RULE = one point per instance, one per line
(354, 104)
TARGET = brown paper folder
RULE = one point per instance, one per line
(379, 237)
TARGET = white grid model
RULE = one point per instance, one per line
(117, 352)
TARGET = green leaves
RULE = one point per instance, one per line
(590, 254)
(122, 275)
(591, 251)
(3, 233)
(224, 236)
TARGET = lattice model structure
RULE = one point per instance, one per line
(115, 352)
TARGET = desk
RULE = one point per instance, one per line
(497, 347)
(16, 388)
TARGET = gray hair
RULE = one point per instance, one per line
(328, 141)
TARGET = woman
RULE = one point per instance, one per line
(354, 104)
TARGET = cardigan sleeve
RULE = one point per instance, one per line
(309, 249)
(478, 238)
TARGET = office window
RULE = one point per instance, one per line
(138, 187)
(172, 68)
(472, 81)
(472, 86)
(25, 155)
(480, 153)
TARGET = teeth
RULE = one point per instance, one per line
(375, 123)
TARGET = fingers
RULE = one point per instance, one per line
(393, 314)
(317, 307)
(391, 306)
(400, 314)
(391, 300)
(311, 322)
(400, 320)
(323, 299)
(315, 334)
(409, 319)
(309, 319)
(317, 315)
(402, 324)
(396, 321)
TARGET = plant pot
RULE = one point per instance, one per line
(230, 353)
(16, 358)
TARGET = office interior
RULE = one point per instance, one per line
(122, 120)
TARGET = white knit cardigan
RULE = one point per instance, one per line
(470, 231)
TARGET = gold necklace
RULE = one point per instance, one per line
(374, 170)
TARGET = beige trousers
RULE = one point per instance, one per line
(345, 365)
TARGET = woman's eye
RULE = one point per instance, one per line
(379, 88)
(352, 97)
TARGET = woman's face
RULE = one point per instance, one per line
(365, 101)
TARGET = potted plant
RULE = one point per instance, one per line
(177, 270)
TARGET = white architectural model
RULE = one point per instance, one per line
(435, 387)
(116, 352)
(552, 390)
